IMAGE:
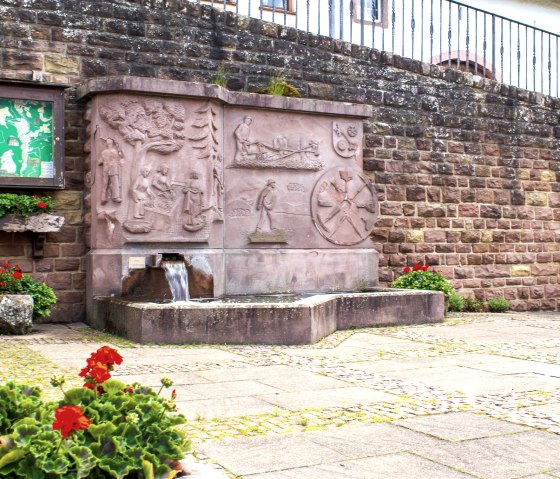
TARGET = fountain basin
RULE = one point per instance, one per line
(305, 320)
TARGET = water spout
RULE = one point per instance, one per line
(178, 279)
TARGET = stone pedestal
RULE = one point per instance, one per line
(16, 313)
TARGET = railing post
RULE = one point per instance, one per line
(493, 47)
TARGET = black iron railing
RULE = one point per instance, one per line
(444, 32)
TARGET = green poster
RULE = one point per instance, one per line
(26, 138)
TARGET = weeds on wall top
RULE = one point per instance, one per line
(278, 86)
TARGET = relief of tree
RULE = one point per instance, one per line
(204, 138)
(148, 125)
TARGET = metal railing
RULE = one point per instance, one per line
(444, 32)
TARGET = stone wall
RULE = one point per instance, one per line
(466, 168)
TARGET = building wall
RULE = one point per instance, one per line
(466, 169)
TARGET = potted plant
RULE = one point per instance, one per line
(22, 300)
(105, 429)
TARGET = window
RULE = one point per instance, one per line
(277, 4)
(371, 9)
(377, 10)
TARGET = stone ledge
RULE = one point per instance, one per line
(42, 223)
(205, 90)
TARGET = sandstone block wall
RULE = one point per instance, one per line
(466, 168)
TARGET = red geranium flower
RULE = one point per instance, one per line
(406, 269)
(70, 418)
(42, 205)
(6, 265)
(108, 355)
(2, 283)
(100, 364)
(17, 275)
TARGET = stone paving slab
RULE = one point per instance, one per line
(371, 440)
(325, 398)
(223, 407)
(503, 457)
(394, 466)
(280, 377)
(154, 379)
(267, 454)
(460, 426)
(230, 389)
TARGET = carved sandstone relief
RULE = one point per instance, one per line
(277, 152)
(204, 140)
(265, 232)
(346, 141)
(160, 170)
(344, 206)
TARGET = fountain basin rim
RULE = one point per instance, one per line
(308, 300)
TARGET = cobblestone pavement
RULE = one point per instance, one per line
(476, 396)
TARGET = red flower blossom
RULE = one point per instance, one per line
(42, 205)
(129, 390)
(70, 418)
(417, 267)
(17, 275)
(2, 283)
(406, 269)
(108, 355)
(99, 365)
(6, 265)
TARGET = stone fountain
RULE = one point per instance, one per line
(256, 195)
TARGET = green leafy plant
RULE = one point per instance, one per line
(278, 86)
(106, 429)
(421, 277)
(498, 305)
(24, 205)
(13, 281)
(220, 79)
(456, 303)
(473, 305)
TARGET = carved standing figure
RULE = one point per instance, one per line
(161, 183)
(243, 137)
(265, 204)
(141, 193)
(192, 206)
(218, 188)
(111, 161)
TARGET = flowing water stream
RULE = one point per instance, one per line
(178, 279)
